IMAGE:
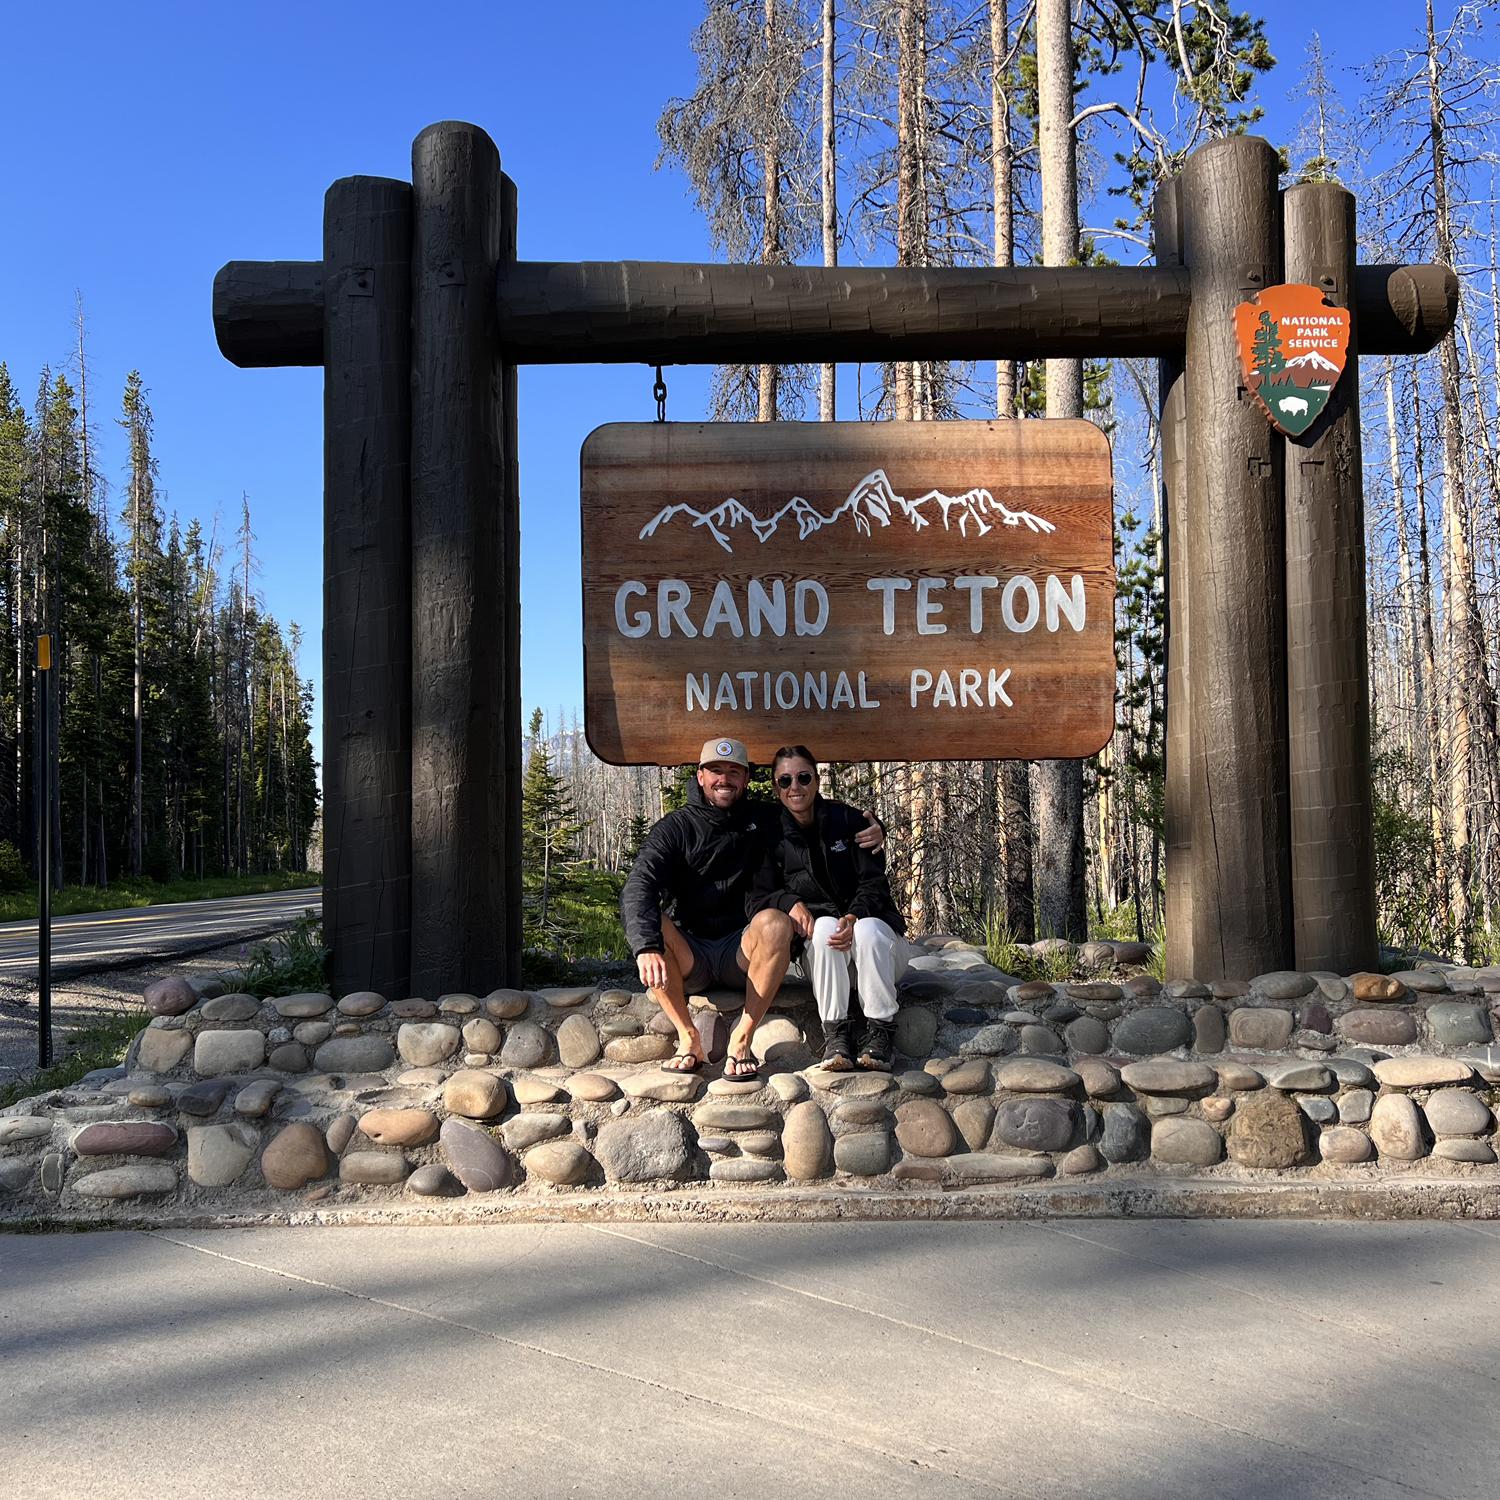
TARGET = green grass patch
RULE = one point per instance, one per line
(294, 962)
(101, 1044)
(20, 906)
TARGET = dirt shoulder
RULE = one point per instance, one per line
(90, 1000)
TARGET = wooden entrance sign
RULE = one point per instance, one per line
(879, 591)
(419, 314)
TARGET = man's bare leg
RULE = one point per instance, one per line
(765, 952)
(672, 997)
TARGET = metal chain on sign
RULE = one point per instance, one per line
(659, 391)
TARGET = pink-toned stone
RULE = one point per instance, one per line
(399, 1127)
(169, 997)
(126, 1138)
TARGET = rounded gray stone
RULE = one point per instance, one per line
(577, 1042)
(1179, 1141)
(230, 1008)
(373, 1168)
(916, 1030)
(806, 1143)
(1127, 1133)
(433, 1180)
(1396, 1128)
(527, 1045)
(1266, 1028)
(991, 1041)
(1151, 1029)
(1457, 1112)
(1320, 1110)
(361, 1003)
(646, 1148)
(303, 1007)
(1298, 1076)
(1086, 1035)
(1457, 1148)
(1455, 1024)
(1168, 1075)
(745, 1169)
(475, 1157)
(1081, 1159)
(217, 1154)
(142, 1180)
(531, 1130)
(1355, 1105)
(424, 1044)
(987, 1166)
(1036, 1124)
(1284, 984)
(219, 1052)
(867, 1154)
(1345, 1144)
(1029, 1075)
(355, 1054)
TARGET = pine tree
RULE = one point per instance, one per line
(549, 836)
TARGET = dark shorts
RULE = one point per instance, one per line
(715, 962)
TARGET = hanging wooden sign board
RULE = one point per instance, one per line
(1293, 346)
(875, 590)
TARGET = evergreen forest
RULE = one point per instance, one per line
(179, 723)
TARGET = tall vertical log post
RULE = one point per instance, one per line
(1328, 692)
(512, 715)
(367, 226)
(465, 844)
(1236, 564)
(1178, 809)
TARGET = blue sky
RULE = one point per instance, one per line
(147, 145)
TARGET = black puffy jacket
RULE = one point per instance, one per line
(823, 867)
(700, 862)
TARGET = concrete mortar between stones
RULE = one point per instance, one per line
(1196, 1139)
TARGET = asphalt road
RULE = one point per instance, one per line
(1133, 1360)
(96, 940)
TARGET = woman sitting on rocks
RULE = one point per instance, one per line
(840, 904)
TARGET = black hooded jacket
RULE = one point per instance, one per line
(823, 867)
(700, 863)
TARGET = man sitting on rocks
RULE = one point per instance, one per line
(701, 862)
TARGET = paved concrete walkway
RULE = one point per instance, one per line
(1124, 1360)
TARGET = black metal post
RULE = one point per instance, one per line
(44, 850)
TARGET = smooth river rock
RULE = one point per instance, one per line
(1168, 1075)
(646, 1148)
(479, 1161)
(355, 1054)
(1151, 1029)
(169, 997)
(399, 1127)
(1183, 1142)
(532, 1129)
(424, 1044)
(1396, 1128)
(1457, 1112)
(577, 1042)
(806, 1143)
(147, 1179)
(925, 1128)
(217, 1154)
(296, 1155)
(565, 1163)
(374, 1168)
(125, 1138)
(1420, 1072)
(1036, 1124)
(866, 1154)
(219, 1052)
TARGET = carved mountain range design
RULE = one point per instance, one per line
(872, 502)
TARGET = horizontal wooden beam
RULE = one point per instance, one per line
(648, 312)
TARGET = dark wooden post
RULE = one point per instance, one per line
(366, 278)
(464, 841)
(1236, 566)
(1328, 693)
(1178, 808)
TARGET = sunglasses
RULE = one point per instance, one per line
(802, 778)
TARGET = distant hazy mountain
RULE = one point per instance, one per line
(872, 502)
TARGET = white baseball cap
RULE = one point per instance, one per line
(730, 752)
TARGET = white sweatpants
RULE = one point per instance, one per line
(878, 958)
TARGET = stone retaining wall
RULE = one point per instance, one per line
(229, 1106)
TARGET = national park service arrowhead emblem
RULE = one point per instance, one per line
(1292, 349)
